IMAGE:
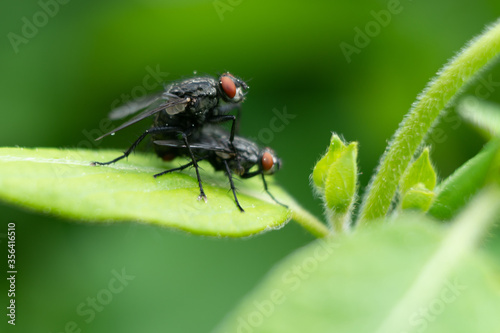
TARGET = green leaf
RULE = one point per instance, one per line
(417, 184)
(63, 182)
(335, 179)
(340, 189)
(320, 171)
(341, 181)
(417, 198)
(482, 114)
(412, 275)
(419, 172)
(452, 79)
(457, 189)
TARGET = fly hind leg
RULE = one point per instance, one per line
(154, 130)
(182, 167)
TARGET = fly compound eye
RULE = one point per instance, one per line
(267, 161)
(228, 86)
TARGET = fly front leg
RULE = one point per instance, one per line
(224, 118)
(233, 119)
(267, 190)
(226, 108)
(259, 172)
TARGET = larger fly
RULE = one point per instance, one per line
(244, 158)
(181, 111)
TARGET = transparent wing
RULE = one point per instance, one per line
(135, 105)
(171, 103)
(196, 145)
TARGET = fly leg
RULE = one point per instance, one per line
(267, 190)
(226, 108)
(223, 118)
(228, 171)
(195, 164)
(153, 130)
(182, 167)
(259, 172)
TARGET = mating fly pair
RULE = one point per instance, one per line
(185, 115)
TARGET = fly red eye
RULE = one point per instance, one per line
(267, 161)
(228, 86)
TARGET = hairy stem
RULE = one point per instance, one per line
(439, 94)
(309, 222)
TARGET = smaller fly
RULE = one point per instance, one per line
(213, 145)
(183, 108)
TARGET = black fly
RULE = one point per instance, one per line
(213, 145)
(181, 110)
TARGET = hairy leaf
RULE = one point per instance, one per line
(63, 182)
(356, 283)
(420, 171)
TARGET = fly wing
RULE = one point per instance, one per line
(154, 108)
(135, 105)
(196, 145)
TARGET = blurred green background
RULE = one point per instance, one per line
(65, 77)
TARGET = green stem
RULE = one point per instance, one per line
(309, 222)
(440, 93)
(340, 223)
(336, 222)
